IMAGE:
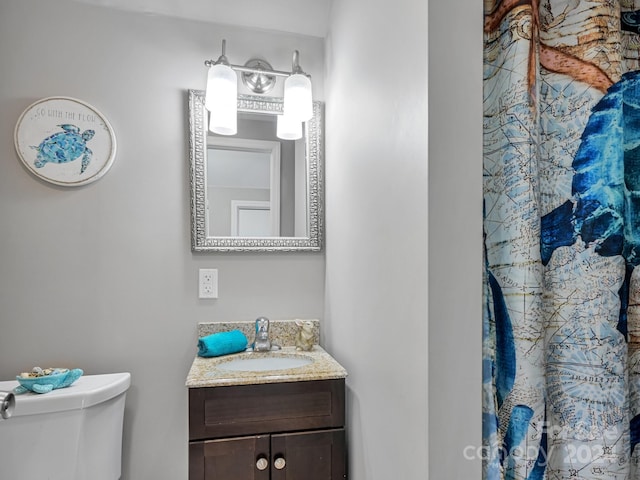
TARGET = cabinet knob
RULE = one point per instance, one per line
(262, 463)
(279, 463)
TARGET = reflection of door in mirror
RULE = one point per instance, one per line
(255, 166)
(243, 187)
(251, 219)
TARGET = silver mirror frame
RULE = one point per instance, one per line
(314, 148)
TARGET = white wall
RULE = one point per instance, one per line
(377, 224)
(376, 273)
(101, 277)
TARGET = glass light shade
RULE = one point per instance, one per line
(288, 128)
(298, 101)
(223, 121)
(221, 99)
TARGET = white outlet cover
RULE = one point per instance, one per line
(208, 283)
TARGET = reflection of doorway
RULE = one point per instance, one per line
(253, 219)
(248, 171)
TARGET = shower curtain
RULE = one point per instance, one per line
(561, 324)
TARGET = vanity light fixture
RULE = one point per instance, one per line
(288, 128)
(221, 95)
(298, 103)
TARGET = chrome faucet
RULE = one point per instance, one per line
(261, 342)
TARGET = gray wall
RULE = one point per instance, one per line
(101, 277)
(376, 273)
(455, 238)
(380, 177)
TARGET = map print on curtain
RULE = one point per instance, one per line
(561, 325)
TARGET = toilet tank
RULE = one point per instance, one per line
(72, 433)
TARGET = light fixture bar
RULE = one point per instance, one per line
(239, 68)
(244, 69)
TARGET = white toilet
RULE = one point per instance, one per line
(72, 433)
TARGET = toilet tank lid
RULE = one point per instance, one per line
(85, 392)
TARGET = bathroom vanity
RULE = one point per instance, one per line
(267, 416)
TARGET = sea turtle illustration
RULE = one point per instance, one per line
(66, 146)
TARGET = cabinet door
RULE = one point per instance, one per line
(244, 458)
(316, 455)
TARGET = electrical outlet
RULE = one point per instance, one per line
(208, 283)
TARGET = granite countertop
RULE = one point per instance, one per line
(204, 372)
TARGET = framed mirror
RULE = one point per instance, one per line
(253, 191)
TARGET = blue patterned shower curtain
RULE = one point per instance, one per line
(561, 326)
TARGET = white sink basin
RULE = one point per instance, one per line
(265, 363)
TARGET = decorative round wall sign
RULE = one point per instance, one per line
(65, 141)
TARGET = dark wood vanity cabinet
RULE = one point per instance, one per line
(277, 431)
(315, 455)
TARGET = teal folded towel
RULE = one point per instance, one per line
(222, 343)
